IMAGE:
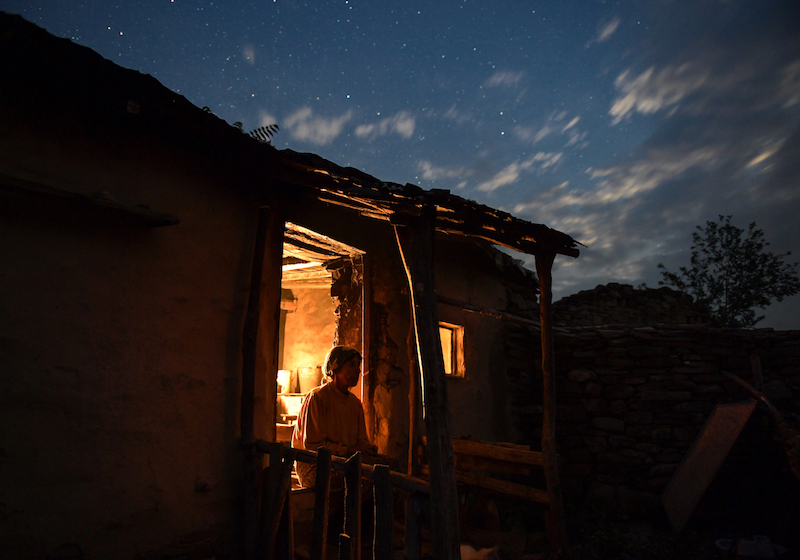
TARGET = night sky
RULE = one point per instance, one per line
(624, 124)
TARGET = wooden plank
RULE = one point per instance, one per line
(352, 504)
(415, 241)
(501, 452)
(486, 311)
(472, 463)
(384, 514)
(322, 493)
(504, 487)
(698, 468)
(556, 527)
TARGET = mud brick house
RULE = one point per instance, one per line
(169, 285)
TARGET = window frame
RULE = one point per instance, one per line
(456, 361)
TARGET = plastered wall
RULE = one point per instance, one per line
(120, 350)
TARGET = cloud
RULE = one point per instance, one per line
(652, 90)
(553, 125)
(716, 78)
(511, 173)
(570, 124)
(607, 30)
(304, 126)
(648, 173)
(453, 114)
(432, 172)
(530, 134)
(503, 78)
(722, 93)
(265, 118)
(401, 124)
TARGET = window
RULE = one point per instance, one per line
(452, 337)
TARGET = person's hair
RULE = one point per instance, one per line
(336, 358)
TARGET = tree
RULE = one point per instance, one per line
(732, 273)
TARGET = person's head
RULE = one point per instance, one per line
(343, 366)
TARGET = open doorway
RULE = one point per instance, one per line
(322, 290)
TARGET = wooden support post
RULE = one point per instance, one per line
(556, 528)
(414, 509)
(261, 324)
(276, 508)
(284, 544)
(270, 483)
(352, 504)
(345, 547)
(415, 241)
(413, 407)
(262, 321)
(322, 495)
(384, 514)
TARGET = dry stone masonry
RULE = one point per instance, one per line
(631, 400)
(632, 397)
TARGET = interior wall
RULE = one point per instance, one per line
(310, 329)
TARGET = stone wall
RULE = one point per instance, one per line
(631, 400)
(622, 304)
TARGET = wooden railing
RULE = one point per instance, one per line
(490, 459)
(472, 456)
(276, 532)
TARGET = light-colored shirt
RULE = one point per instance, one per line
(330, 419)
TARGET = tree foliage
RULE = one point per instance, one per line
(732, 273)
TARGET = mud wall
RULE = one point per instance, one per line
(482, 276)
(120, 345)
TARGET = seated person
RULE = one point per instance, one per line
(331, 416)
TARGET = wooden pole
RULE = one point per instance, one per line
(266, 272)
(415, 241)
(270, 483)
(384, 509)
(322, 493)
(556, 529)
(352, 504)
(276, 508)
(413, 408)
(414, 512)
(284, 543)
(345, 547)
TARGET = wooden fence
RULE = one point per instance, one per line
(276, 532)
